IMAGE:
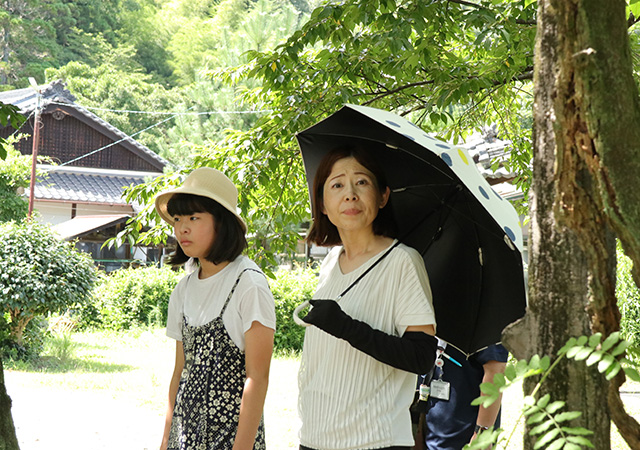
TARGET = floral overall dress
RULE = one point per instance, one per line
(207, 406)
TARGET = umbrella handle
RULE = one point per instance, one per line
(296, 311)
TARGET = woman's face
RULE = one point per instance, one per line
(351, 197)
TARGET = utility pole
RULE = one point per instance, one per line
(36, 141)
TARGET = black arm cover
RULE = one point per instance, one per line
(414, 352)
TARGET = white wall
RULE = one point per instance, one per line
(58, 212)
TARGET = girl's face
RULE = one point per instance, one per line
(195, 233)
(351, 197)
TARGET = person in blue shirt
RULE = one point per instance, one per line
(451, 421)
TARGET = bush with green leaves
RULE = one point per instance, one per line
(628, 296)
(33, 339)
(548, 419)
(131, 297)
(290, 288)
(15, 172)
(39, 274)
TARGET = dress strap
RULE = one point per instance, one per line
(224, 308)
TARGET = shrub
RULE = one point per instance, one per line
(290, 288)
(130, 297)
(39, 274)
(33, 339)
(628, 300)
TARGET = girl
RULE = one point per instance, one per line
(222, 317)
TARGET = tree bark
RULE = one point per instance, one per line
(8, 439)
(586, 161)
(558, 288)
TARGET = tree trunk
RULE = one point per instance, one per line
(598, 139)
(8, 439)
(586, 161)
(5, 54)
(558, 288)
(19, 321)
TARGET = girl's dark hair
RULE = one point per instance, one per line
(230, 239)
(322, 231)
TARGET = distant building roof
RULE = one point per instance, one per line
(82, 225)
(86, 185)
(56, 99)
(486, 148)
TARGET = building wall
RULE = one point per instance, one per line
(65, 138)
(58, 212)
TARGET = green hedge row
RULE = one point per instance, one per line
(139, 297)
(628, 300)
(130, 297)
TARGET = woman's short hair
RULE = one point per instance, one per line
(322, 231)
(230, 240)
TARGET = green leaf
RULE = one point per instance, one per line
(555, 406)
(565, 348)
(489, 389)
(612, 371)
(610, 341)
(577, 431)
(510, 372)
(632, 374)
(620, 348)
(594, 357)
(573, 351)
(606, 362)
(535, 418)
(569, 415)
(583, 353)
(522, 367)
(543, 401)
(544, 426)
(555, 445)
(580, 440)
(595, 339)
(547, 438)
(634, 8)
(571, 446)
(534, 363)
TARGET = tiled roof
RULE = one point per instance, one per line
(485, 148)
(81, 225)
(56, 94)
(74, 184)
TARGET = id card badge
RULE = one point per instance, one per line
(440, 389)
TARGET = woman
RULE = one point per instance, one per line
(373, 316)
(222, 317)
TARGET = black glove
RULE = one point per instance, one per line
(414, 352)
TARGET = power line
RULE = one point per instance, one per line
(23, 123)
(115, 142)
(165, 112)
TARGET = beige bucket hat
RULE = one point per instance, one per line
(206, 182)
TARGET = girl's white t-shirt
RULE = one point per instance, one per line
(347, 399)
(201, 301)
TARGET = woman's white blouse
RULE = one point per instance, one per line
(349, 400)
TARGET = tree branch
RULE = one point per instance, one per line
(526, 75)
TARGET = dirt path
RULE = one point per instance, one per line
(57, 418)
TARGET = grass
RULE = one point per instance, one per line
(134, 369)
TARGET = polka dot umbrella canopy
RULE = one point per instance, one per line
(469, 237)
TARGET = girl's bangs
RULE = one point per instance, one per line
(186, 204)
